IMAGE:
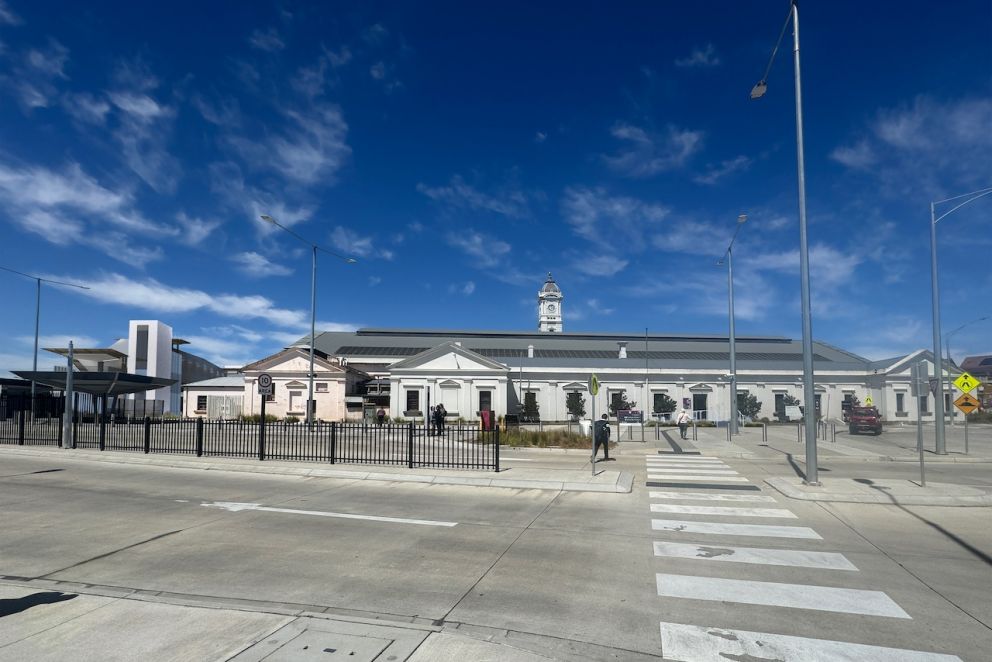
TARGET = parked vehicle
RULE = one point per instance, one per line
(864, 419)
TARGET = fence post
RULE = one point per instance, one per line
(497, 449)
(409, 445)
(334, 440)
(199, 437)
(103, 422)
(20, 427)
(148, 434)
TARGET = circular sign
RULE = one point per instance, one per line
(265, 380)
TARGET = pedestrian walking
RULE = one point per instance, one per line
(431, 421)
(683, 421)
(601, 437)
(439, 414)
(380, 416)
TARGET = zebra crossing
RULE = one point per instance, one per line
(691, 500)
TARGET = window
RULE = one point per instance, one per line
(900, 403)
(413, 400)
(924, 404)
(321, 387)
(485, 400)
(141, 351)
(780, 403)
(616, 400)
(271, 398)
(947, 403)
(296, 401)
(201, 403)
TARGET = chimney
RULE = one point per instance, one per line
(530, 351)
(623, 350)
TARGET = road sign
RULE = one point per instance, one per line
(934, 384)
(594, 384)
(868, 401)
(966, 403)
(265, 384)
(966, 383)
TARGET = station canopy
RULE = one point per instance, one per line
(97, 383)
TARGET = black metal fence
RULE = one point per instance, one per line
(409, 445)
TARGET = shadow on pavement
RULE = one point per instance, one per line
(957, 540)
(10, 606)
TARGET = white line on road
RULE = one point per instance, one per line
(715, 528)
(774, 594)
(679, 463)
(693, 470)
(697, 477)
(706, 496)
(722, 511)
(676, 458)
(515, 459)
(691, 643)
(756, 555)
(235, 507)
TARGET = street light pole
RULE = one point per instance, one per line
(37, 318)
(809, 393)
(313, 304)
(940, 441)
(729, 257)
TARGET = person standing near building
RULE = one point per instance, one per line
(601, 437)
(683, 421)
(439, 414)
(380, 416)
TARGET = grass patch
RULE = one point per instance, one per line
(547, 439)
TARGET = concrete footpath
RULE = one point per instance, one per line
(889, 492)
(564, 480)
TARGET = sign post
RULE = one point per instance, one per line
(264, 390)
(918, 377)
(593, 391)
(966, 403)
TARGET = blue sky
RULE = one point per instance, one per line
(462, 150)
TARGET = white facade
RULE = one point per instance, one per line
(149, 352)
(289, 370)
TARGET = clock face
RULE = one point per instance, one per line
(551, 307)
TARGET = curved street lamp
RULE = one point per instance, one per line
(313, 301)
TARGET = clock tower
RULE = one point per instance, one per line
(549, 307)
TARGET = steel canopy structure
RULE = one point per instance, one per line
(97, 384)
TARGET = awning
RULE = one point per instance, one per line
(97, 383)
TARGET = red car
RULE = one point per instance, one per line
(864, 419)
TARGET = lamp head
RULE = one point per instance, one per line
(759, 90)
(350, 260)
(268, 219)
(742, 218)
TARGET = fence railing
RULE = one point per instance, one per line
(409, 445)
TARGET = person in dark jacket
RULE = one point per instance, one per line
(601, 435)
(439, 414)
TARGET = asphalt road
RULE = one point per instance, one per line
(579, 568)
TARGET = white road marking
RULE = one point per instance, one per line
(774, 594)
(677, 458)
(691, 643)
(235, 507)
(697, 477)
(516, 459)
(706, 496)
(722, 511)
(715, 528)
(693, 470)
(701, 465)
(756, 555)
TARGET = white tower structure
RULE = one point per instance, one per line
(549, 307)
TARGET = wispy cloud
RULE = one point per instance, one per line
(195, 230)
(645, 154)
(350, 243)
(227, 181)
(715, 173)
(510, 202)
(375, 35)
(702, 57)
(604, 265)
(593, 213)
(465, 289)
(7, 15)
(257, 265)
(267, 40)
(485, 250)
(86, 108)
(312, 80)
(36, 75)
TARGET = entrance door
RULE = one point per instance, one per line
(699, 406)
(485, 400)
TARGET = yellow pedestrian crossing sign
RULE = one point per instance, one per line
(594, 384)
(966, 383)
(868, 401)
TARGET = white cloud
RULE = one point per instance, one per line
(596, 215)
(7, 15)
(700, 57)
(311, 81)
(486, 251)
(375, 34)
(36, 74)
(311, 149)
(87, 108)
(510, 202)
(58, 341)
(257, 265)
(715, 173)
(350, 243)
(228, 182)
(374, 280)
(195, 230)
(224, 112)
(859, 156)
(599, 265)
(540, 137)
(465, 289)
(646, 154)
(378, 70)
(266, 40)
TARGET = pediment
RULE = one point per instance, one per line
(701, 388)
(291, 359)
(449, 357)
(295, 384)
(575, 386)
(449, 383)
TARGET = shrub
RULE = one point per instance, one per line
(290, 419)
(980, 417)
(749, 405)
(576, 404)
(664, 404)
(255, 418)
(621, 404)
(546, 439)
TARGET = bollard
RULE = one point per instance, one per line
(199, 437)
(694, 434)
(833, 432)
(764, 433)
(409, 445)
(148, 434)
(496, 449)
(799, 433)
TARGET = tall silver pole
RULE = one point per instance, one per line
(68, 410)
(733, 344)
(809, 394)
(37, 322)
(947, 345)
(313, 329)
(938, 423)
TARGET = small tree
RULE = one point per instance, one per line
(790, 401)
(531, 409)
(576, 404)
(664, 404)
(749, 405)
(621, 403)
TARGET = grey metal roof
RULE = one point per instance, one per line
(599, 350)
